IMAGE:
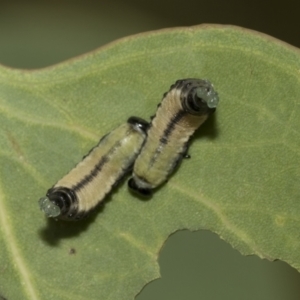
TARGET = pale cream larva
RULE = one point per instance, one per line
(85, 186)
(187, 104)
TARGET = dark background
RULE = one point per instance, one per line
(36, 34)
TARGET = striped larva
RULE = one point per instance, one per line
(187, 104)
(85, 186)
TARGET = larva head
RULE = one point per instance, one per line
(138, 124)
(139, 187)
(198, 96)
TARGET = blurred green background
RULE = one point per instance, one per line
(36, 34)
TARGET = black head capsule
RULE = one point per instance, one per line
(138, 123)
(144, 192)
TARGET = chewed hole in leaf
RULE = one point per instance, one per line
(199, 265)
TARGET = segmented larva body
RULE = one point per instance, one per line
(187, 104)
(85, 186)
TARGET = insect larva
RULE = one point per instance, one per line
(187, 104)
(85, 186)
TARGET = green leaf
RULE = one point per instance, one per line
(241, 182)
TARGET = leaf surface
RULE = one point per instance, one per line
(241, 181)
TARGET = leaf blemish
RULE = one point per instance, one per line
(72, 251)
(280, 220)
(15, 145)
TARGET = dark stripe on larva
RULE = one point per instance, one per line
(171, 126)
(96, 170)
(167, 132)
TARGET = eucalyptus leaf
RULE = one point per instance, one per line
(241, 181)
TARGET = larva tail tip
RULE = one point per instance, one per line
(209, 95)
(49, 208)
